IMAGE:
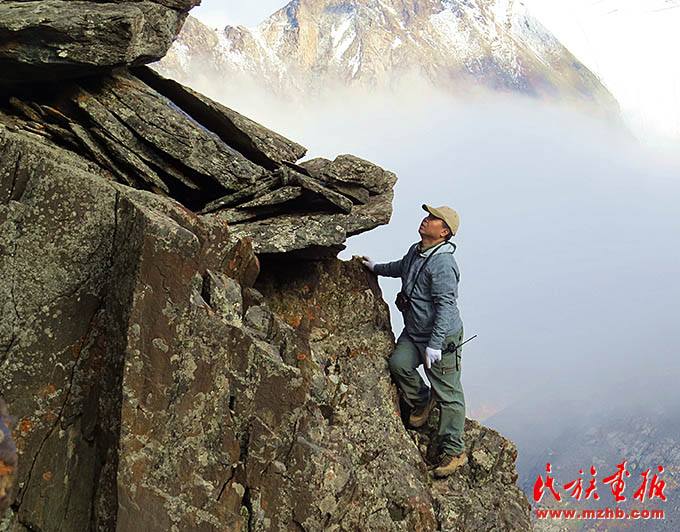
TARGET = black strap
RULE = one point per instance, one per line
(415, 280)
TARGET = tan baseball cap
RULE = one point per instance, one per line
(445, 213)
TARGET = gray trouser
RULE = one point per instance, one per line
(444, 377)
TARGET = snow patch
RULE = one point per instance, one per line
(388, 7)
(342, 37)
(397, 42)
(453, 34)
(237, 57)
(182, 53)
(355, 63)
(267, 52)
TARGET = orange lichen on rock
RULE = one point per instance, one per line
(78, 347)
(294, 321)
(26, 426)
(5, 469)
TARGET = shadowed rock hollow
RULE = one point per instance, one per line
(180, 345)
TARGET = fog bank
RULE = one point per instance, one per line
(567, 241)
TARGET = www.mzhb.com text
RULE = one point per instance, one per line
(606, 513)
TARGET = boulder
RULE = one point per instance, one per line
(57, 39)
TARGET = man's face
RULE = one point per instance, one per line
(432, 227)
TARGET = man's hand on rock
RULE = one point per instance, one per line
(366, 261)
(432, 356)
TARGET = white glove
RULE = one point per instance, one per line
(432, 356)
(368, 263)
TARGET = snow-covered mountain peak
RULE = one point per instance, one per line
(308, 46)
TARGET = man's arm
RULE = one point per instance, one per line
(394, 269)
(389, 269)
(444, 290)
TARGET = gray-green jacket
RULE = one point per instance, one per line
(433, 314)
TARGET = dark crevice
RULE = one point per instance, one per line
(327, 413)
(9, 348)
(205, 294)
(299, 525)
(377, 510)
(249, 506)
(26, 526)
(116, 201)
(226, 483)
(14, 178)
(293, 441)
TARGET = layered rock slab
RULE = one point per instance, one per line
(55, 39)
(213, 161)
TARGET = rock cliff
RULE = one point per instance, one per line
(180, 345)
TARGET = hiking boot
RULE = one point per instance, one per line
(449, 464)
(420, 414)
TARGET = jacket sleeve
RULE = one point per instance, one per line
(444, 290)
(392, 269)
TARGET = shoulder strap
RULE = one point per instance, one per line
(415, 280)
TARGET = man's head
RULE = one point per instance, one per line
(441, 224)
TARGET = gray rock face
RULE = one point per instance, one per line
(260, 144)
(54, 39)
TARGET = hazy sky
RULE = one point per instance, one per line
(220, 13)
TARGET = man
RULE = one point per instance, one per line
(433, 332)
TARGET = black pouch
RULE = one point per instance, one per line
(402, 302)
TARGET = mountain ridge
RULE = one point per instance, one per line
(309, 47)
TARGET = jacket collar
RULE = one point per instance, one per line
(442, 247)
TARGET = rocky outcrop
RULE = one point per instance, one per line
(167, 377)
(210, 158)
